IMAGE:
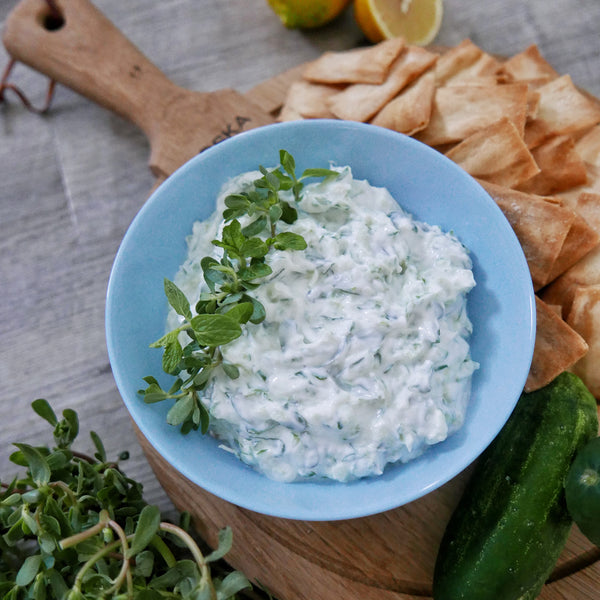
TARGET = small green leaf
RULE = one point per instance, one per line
(232, 234)
(287, 162)
(225, 542)
(231, 370)
(289, 214)
(181, 410)
(144, 565)
(154, 394)
(100, 451)
(44, 410)
(254, 248)
(38, 466)
(233, 583)
(241, 312)
(57, 583)
(165, 340)
(287, 240)
(215, 330)
(67, 429)
(145, 530)
(275, 213)
(259, 313)
(319, 173)
(202, 377)
(255, 271)
(172, 356)
(237, 201)
(255, 227)
(177, 299)
(182, 569)
(28, 570)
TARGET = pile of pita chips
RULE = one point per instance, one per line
(530, 137)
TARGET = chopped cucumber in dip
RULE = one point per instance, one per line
(363, 358)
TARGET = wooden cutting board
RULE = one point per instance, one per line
(384, 557)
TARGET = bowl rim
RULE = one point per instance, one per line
(301, 508)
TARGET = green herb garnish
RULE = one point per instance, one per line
(75, 527)
(228, 304)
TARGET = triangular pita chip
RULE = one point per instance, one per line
(461, 110)
(584, 272)
(529, 65)
(370, 64)
(496, 154)
(410, 111)
(592, 186)
(557, 347)
(541, 227)
(584, 318)
(588, 146)
(562, 110)
(581, 239)
(455, 60)
(362, 101)
(307, 100)
(484, 71)
(561, 167)
(588, 206)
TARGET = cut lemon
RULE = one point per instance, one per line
(417, 21)
(307, 14)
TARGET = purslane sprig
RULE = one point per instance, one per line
(74, 527)
(228, 304)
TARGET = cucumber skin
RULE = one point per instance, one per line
(511, 523)
(583, 500)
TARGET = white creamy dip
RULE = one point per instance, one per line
(363, 358)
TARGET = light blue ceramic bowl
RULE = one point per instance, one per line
(426, 184)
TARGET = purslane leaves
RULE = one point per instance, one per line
(74, 526)
(227, 305)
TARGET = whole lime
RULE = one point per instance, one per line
(307, 14)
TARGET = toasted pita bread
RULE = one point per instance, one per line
(584, 318)
(583, 273)
(541, 227)
(484, 71)
(588, 146)
(497, 154)
(530, 66)
(557, 348)
(533, 104)
(455, 60)
(461, 110)
(362, 101)
(307, 100)
(581, 239)
(591, 186)
(370, 64)
(410, 111)
(562, 110)
(561, 167)
(588, 206)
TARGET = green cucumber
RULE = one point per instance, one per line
(511, 524)
(582, 490)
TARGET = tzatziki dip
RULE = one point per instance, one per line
(363, 359)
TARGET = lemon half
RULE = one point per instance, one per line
(417, 21)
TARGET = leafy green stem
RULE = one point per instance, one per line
(227, 304)
(189, 541)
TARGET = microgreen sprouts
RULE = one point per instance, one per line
(76, 528)
(227, 303)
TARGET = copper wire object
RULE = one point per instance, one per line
(54, 21)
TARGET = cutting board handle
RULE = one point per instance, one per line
(86, 52)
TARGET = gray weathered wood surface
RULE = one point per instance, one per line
(72, 180)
